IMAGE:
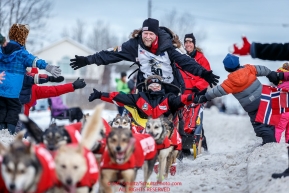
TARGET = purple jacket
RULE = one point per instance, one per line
(57, 106)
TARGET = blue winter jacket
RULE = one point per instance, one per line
(14, 59)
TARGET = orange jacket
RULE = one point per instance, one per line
(240, 79)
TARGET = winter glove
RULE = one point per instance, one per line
(210, 77)
(95, 95)
(200, 97)
(78, 62)
(54, 70)
(245, 50)
(275, 77)
(53, 79)
(79, 83)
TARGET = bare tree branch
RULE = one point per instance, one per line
(32, 12)
(182, 24)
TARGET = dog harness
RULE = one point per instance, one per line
(48, 177)
(166, 144)
(73, 131)
(91, 175)
(145, 149)
(176, 140)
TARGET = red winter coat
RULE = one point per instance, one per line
(195, 81)
(145, 149)
(41, 92)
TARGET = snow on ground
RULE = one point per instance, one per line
(235, 162)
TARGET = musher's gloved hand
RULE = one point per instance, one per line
(78, 62)
(245, 50)
(210, 78)
(53, 79)
(275, 77)
(200, 97)
(79, 83)
(54, 70)
(95, 95)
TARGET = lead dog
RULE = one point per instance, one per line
(125, 153)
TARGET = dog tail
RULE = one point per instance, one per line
(32, 128)
(91, 132)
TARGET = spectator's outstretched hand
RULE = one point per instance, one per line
(54, 70)
(53, 79)
(245, 50)
(211, 78)
(79, 83)
(200, 97)
(275, 77)
(2, 74)
(95, 95)
(78, 62)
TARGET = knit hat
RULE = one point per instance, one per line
(190, 37)
(2, 40)
(151, 24)
(122, 74)
(231, 62)
(19, 33)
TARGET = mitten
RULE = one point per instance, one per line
(275, 77)
(54, 70)
(95, 95)
(245, 50)
(79, 83)
(78, 62)
(210, 77)
(53, 79)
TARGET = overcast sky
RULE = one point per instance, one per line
(223, 22)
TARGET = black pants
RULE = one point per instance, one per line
(9, 110)
(267, 132)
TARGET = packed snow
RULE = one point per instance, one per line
(235, 163)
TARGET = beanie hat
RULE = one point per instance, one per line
(122, 74)
(190, 37)
(151, 24)
(19, 33)
(231, 62)
(2, 40)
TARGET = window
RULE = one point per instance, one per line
(64, 65)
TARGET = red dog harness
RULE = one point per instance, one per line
(166, 144)
(176, 140)
(145, 149)
(73, 131)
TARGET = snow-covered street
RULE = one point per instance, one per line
(235, 163)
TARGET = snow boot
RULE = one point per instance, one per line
(173, 169)
(156, 167)
(204, 143)
(279, 175)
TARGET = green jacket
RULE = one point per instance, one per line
(121, 86)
